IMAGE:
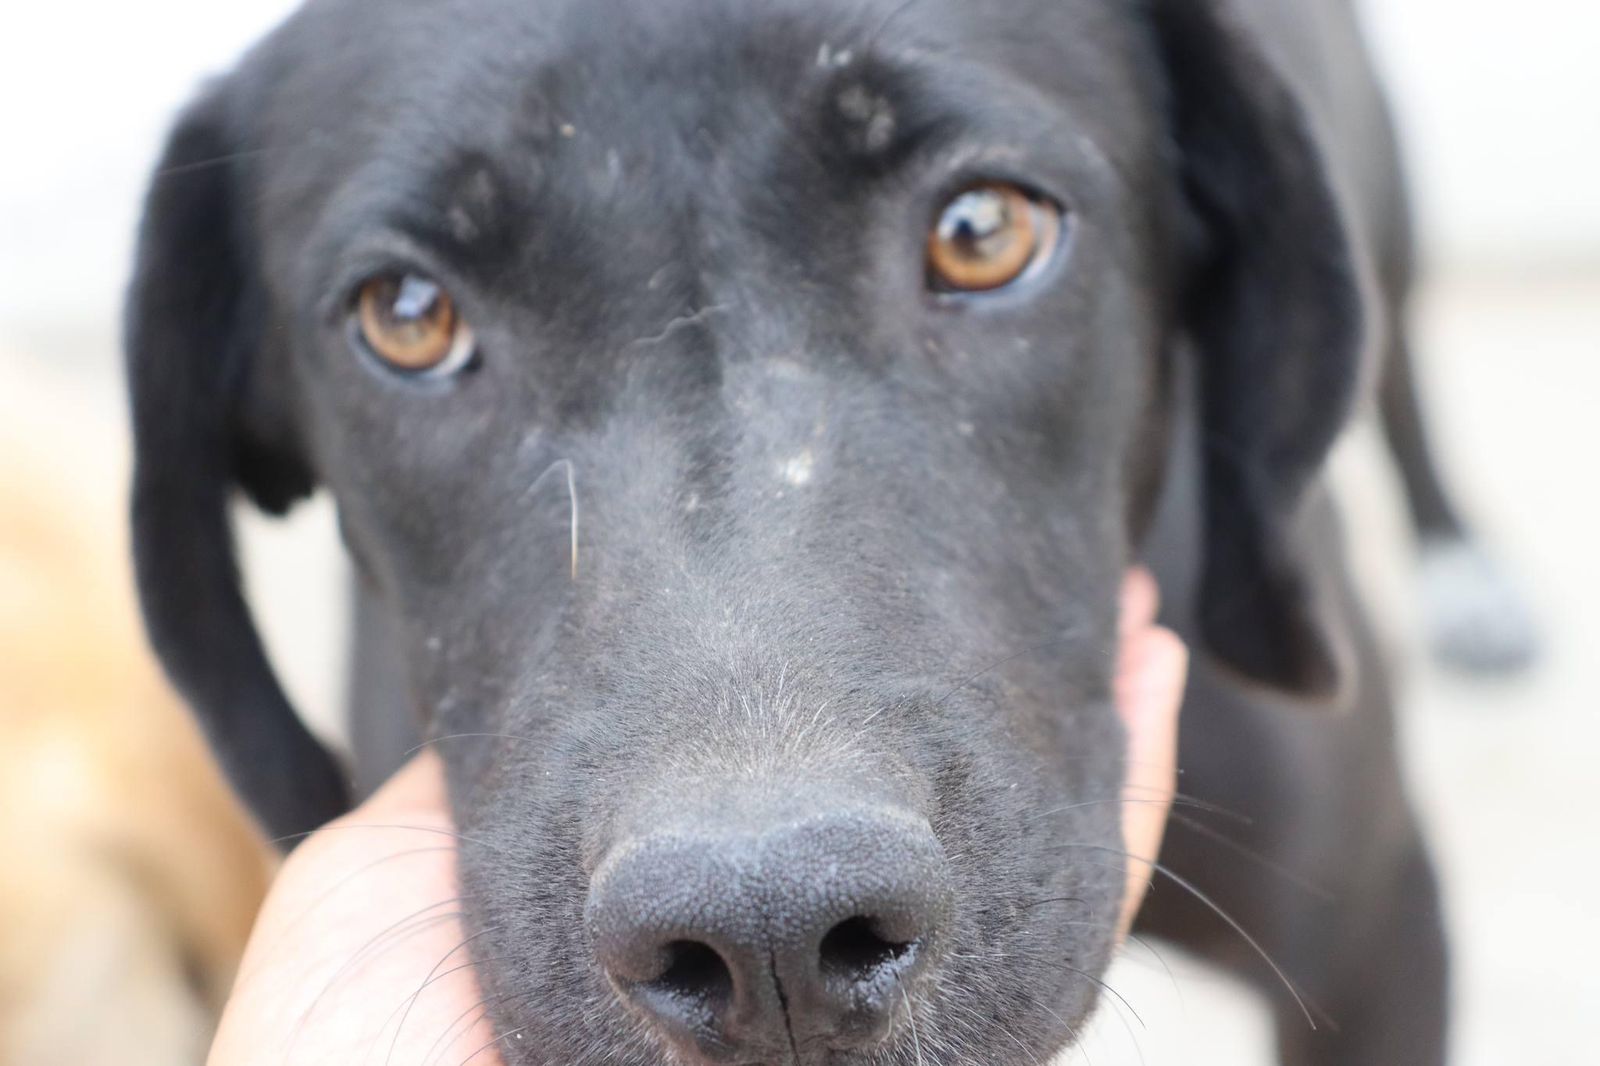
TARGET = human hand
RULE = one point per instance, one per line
(1152, 667)
(359, 956)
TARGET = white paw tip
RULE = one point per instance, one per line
(1477, 620)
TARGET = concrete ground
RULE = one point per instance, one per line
(1502, 771)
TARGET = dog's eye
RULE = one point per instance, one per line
(990, 236)
(410, 322)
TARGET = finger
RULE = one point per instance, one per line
(1140, 601)
(1149, 693)
(419, 785)
(360, 945)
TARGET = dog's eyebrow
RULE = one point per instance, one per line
(879, 110)
(870, 119)
(882, 109)
(455, 209)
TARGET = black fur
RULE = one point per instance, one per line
(1277, 310)
(837, 538)
(194, 345)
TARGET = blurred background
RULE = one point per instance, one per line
(1500, 110)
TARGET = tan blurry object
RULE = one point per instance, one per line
(129, 878)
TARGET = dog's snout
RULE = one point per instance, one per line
(773, 936)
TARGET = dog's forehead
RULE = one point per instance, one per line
(344, 83)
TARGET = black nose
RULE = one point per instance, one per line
(772, 936)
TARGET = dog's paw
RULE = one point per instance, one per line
(1477, 619)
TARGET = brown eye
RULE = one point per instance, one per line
(410, 322)
(990, 236)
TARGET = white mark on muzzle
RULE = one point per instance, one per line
(827, 58)
(799, 469)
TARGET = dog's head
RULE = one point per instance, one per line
(748, 412)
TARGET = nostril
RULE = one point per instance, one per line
(773, 933)
(695, 977)
(856, 951)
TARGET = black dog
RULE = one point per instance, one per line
(740, 416)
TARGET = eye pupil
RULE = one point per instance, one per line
(975, 218)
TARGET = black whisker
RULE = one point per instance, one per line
(437, 1049)
(1052, 899)
(1112, 991)
(1274, 867)
(413, 923)
(1135, 938)
(1218, 910)
(465, 736)
(871, 43)
(199, 165)
(433, 975)
(1174, 799)
(373, 825)
(322, 897)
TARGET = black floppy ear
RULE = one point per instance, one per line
(1277, 309)
(207, 418)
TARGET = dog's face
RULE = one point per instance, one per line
(747, 412)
